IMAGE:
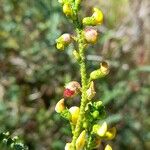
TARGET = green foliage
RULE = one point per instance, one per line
(8, 142)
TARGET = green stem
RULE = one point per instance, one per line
(84, 87)
(89, 143)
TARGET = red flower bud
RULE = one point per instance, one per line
(68, 93)
(71, 89)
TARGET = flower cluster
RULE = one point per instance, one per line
(87, 132)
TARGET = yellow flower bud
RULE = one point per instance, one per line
(68, 146)
(99, 73)
(91, 91)
(111, 133)
(67, 9)
(74, 114)
(60, 46)
(108, 147)
(100, 130)
(60, 106)
(80, 143)
(98, 16)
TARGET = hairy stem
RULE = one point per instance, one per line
(84, 87)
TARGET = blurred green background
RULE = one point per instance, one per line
(33, 72)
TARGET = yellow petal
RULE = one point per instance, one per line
(108, 147)
(74, 114)
(60, 106)
(111, 133)
(68, 146)
(81, 141)
(102, 130)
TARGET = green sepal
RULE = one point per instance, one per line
(66, 114)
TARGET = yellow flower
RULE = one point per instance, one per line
(100, 130)
(111, 133)
(99, 73)
(74, 114)
(98, 16)
(67, 9)
(108, 147)
(81, 141)
(95, 19)
(60, 46)
(60, 106)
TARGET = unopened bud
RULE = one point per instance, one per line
(100, 130)
(60, 106)
(66, 38)
(63, 41)
(91, 91)
(91, 35)
(67, 9)
(74, 114)
(108, 147)
(71, 89)
(68, 146)
(99, 73)
(80, 143)
(95, 114)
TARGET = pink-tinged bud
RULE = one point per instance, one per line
(74, 114)
(63, 41)
(60, 106)
(66, 38)
(91, 35)
(71, 89)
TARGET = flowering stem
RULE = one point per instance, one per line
(84, 86)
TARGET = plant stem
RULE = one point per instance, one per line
(81, 46)
(84, 87)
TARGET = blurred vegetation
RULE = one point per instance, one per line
(33, 72)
